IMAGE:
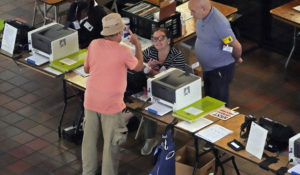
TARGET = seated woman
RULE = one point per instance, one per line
(159, 57)
(86, 17)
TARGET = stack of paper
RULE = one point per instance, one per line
(37, 59)
(198, 109)
(193, 127)
(159, 109)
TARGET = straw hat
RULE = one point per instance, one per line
(112, 24)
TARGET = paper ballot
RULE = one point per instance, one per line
(256, 140)
(213, 133)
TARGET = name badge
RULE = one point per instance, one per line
(76, 24)
(227, 48)
(88, 26)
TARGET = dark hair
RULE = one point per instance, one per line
(166, 32)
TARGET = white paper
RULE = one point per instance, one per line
(67, 61)
(193, 110)
(193, 127)
(224, 113)
(295, 169)
(187, 16)
(213, 133)
(297, 8)
(37, 59)
(141, 96)
(256, 140)
(51, 70)
(145, 43)
(80, 71)
(159, 109)
(9, 38)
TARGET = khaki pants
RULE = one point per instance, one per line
(114, 133)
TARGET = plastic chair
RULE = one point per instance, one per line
(47, 6)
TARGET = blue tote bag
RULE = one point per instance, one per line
(164, 154)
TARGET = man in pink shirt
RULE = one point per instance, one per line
(107, 63)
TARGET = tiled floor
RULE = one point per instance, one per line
(30, 104)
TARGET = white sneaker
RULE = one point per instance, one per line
(148, 147)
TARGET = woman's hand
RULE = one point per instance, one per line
(153, 64)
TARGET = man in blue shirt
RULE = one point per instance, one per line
(216, 48)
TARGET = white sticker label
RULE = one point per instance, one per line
(76, 25)
(227, 48)
(88, 26)
(67, 61)
(195, 65)
(193, 110)
(235, 145)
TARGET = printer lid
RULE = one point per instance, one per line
(176, 79)
(54, 32)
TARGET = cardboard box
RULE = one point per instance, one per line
(185, 160)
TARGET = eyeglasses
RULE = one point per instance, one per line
(160, 38)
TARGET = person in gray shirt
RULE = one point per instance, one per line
(216, 48)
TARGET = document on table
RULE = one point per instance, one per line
(297, 8)
(80, 71)
(295, 169)
(213, 133)
(51, 70)
(193, 127)
(256, 140)
(37, 59)
(224, 113)
(159, 109)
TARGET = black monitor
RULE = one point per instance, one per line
(136, 82)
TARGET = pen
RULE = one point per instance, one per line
(235, 108)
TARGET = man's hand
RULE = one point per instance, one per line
(239, 60)
(134, 40)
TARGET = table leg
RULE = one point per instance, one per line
(80, 117)
(235, 166)
(139, 128)
(64, 108)
(218, 162)
(196, 144)
(291, 53)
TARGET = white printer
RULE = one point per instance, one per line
(174, 88)
(294, 149)
(53, 41)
